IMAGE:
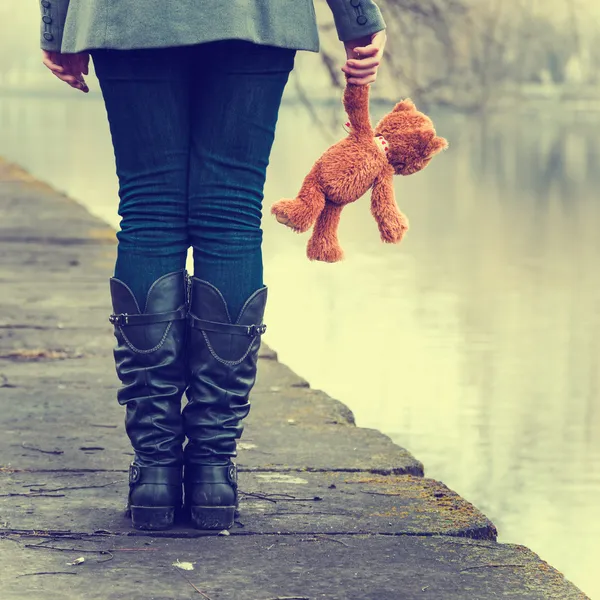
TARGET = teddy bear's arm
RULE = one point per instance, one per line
(356, 103)
(391, 222)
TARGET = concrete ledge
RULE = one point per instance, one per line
(328, 509)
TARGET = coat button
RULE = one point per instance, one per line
(47, 19)
(48, 36)
(45, 3)
(355, 3)
(361, 20)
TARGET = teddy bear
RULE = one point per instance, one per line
(403, 142)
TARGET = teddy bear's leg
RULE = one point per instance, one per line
(323, 244)
(300, 213)
(391, 222)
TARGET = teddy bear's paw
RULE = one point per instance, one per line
(291, 213)
(283, 219)
(324, 253)
(393, 230)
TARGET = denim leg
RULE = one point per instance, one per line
(236, 94)
(146, 93)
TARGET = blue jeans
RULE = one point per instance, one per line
(192, 129)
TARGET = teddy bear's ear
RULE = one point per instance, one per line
(406, 104)
(437, 144)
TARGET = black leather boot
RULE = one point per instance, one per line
(149, 358)
(222, 359)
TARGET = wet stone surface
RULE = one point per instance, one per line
(328, 510)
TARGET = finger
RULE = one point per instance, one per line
(55, 68)
(75, 66)
(366, 63)
(359, 72)
(370, 50)
(67, 78)
(79, 83)
(76, 84)
(362, 80)
(82, 83)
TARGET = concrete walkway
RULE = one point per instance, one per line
(328, 510)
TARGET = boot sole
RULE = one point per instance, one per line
(152, 518)
(212, 517)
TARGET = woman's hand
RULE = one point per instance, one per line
(69, 68)
(364, 57)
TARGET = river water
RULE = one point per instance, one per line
(475, 343)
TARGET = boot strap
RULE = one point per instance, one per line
(211, 474)
(156, 475)
(146, 319)
(248, 330)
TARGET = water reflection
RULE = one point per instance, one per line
(474, 343)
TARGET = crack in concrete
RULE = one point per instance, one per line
(275, 469)
(86, 535)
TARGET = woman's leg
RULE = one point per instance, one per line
(146, 95)
(235, 106)
(235, 103)
(147, 100)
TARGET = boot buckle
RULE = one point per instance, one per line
(254, 330)
(122, 319)
(134, 474)
(232, 475)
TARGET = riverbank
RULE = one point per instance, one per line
(328, 509)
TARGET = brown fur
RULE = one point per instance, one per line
(354, 165)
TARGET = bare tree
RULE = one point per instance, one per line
(473, 54)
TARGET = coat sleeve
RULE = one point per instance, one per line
(54, 14)
(356, 18)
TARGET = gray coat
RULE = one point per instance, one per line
(77, 25)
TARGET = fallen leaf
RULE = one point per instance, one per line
(245, 446)
(184, 566)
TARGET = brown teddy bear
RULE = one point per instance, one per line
(403, 142)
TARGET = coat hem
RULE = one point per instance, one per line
(76, 48)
